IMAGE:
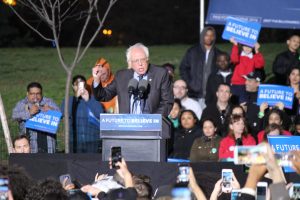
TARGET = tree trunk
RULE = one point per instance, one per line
(66, 111)
(5, 127)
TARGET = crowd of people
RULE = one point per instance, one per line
(212, 107)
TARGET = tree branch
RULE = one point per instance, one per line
(31, 27)
(90, 10)
(111, 3)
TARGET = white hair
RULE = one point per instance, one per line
(137, 45)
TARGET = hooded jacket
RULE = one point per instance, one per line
(193, 68)
(109, 106)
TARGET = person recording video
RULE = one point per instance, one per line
(142, 88)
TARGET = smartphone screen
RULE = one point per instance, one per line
(235, 194)
(261, 192)
(184, 171)
(116, 156)
(294, 191)
(67, 177)
(3, 188)
(181, 193)
(80, 85)
(249, 155)
(226, 179)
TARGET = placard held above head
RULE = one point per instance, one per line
(244, 32)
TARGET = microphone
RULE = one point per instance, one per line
(142, 87)
(132, 86)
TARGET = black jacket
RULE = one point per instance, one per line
(192, 67)
(184, 140)
(283, 64)
(213, 82)
(160, 96)
(254, 123)
(221, 120)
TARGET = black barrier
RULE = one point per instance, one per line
(83, 168)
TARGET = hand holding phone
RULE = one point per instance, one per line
(80, 85)
(65, 179)
(227, 177)
(116, 156)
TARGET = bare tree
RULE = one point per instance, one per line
(53, 13)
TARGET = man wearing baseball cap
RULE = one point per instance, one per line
(253, 80)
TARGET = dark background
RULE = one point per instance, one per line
(153, 22)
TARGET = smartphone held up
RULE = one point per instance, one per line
(3, 188)
(116, 156)
(227, 177)
(247, 155)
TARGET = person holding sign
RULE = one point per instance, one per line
(245, 62)
(40, 142)
(84, 112)
(274, 116)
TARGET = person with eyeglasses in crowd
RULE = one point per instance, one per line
(32, 104)
(157, 97)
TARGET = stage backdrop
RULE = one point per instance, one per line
(272, 14)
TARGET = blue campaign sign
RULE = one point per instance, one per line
(272, 94)
(272, 14)
(244, 32)
(45, 121)
(130, 122)
(282, 144)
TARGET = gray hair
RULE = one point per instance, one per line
(137, 45)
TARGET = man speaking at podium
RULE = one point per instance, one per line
(143, 88)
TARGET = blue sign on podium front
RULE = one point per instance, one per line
(130, 122)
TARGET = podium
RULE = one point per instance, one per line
(141, 137)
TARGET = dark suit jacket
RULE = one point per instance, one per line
(160, 97)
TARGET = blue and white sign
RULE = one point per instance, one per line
(272, 94)
(282, 144)
(45, 121)
(132, 122)
(243, 32)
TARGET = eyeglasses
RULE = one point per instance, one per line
(141, 60)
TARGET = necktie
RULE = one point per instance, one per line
(142, 101)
